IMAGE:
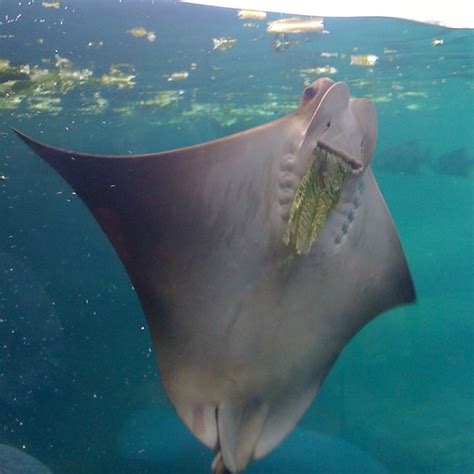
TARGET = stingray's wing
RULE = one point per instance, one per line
(150, 206)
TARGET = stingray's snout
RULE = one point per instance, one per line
(351, 135)
(340, 125)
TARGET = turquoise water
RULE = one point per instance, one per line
(78, 385)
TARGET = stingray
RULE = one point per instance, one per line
(255, 257)
(15, 461)
(454, 163)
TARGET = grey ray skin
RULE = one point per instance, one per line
(256, 258)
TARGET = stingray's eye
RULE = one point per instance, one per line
(328, 124)
(310, 92)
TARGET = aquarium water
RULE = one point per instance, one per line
(79, 387)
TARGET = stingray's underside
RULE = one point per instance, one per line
(256, 258)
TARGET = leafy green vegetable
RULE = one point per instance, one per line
(317, 195)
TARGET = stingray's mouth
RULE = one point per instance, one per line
(353, 163)
(316, 196)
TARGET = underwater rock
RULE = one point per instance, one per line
(296, 25)
(13, 75)
(251, 15)
(416, 96)
(62, 62)
(230, 114)
(326, 54)
(364, 60)
(4, 64)
(381, 99)
(120, 76)
(14, 461)
(318, 71)
(151, 37)
(223, 43)
(93, 105)
(45, 104)
(53, 5)
(454, 163)
(403, 158)
(67, 77)
(282, 43)
(414, 107)
(10, 102)
(178, 76)
(36, 81)
(70, 78)
(31, 335)
(38, 84)
(141, 32)
(163, 99)
(9, 73)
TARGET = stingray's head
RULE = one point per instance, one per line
(337, 142)
(344, 127)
